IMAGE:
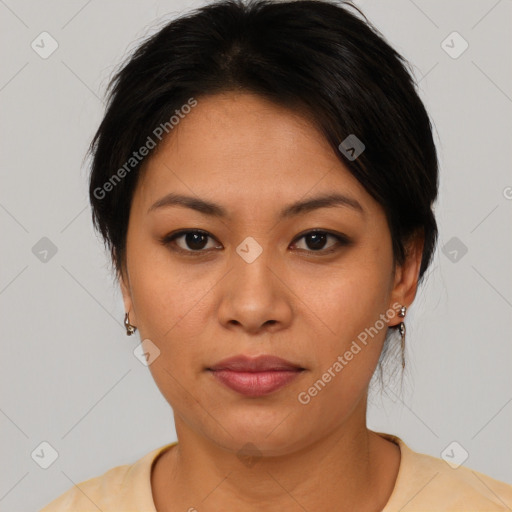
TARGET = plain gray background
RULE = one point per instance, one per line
(68, 373)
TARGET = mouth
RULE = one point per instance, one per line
(255, 377)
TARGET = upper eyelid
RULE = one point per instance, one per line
(342, 238)
(179, 233)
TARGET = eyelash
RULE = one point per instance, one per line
(342, 241)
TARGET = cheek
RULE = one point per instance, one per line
(350, 305)
(171, 303)
(350, 301)
(172, 312)
(347, 356)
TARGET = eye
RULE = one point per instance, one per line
(317, 239)
(192, 241)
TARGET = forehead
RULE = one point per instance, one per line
(245, 149)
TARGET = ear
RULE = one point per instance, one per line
(406, 276)
(124, 282)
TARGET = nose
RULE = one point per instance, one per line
(255, 295)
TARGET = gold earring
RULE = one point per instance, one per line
(130, 329)
(401, 329)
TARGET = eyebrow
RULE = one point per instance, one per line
(298, 208)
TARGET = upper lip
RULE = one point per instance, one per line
(261, 363)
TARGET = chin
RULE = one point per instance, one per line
(261, 435)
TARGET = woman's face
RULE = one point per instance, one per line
(258, 283)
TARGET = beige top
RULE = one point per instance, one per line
(424, 483)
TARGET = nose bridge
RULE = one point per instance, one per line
(253, 295)
(253, 263)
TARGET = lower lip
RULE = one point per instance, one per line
(255, 383)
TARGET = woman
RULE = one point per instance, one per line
(264, 178)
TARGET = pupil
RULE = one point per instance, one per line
(194, 241)
(318, 240)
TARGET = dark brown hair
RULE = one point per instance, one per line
(313, 56)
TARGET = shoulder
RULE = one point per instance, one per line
(126, 487)
(427, 483)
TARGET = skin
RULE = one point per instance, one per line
(253, 158)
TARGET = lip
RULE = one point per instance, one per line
(261, 363)
(258, 376)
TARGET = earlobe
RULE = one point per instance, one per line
(406, 276)
(127, 298)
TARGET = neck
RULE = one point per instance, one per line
(350, 468)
